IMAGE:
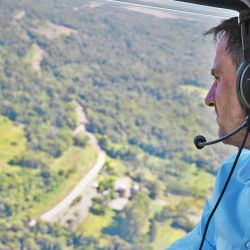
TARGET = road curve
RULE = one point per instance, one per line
(56, 211)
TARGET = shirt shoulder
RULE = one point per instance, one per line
(242, 170)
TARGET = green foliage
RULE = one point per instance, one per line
(29, 178)
(28, 160)
(98, 206)
(106, 184)
(12, 140)
(94, 224)
(183, 223)
(134, 219)
(42, 236)
(152, 230)
(80, 140)
(141, 81)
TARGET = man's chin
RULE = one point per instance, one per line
(222, 132)
(234, 140)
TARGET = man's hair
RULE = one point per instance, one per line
(231, 29)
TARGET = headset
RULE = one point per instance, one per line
(243, 73)
(243, 92)
(242, 80)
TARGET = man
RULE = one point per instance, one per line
(229, 228)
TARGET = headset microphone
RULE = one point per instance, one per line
(200, 141)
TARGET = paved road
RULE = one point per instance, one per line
(53, 214)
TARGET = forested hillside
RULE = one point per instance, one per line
(141, 76)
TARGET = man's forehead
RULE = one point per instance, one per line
(223, 63)
(221, 47)
(221, 57)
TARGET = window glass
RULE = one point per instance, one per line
(99, 103)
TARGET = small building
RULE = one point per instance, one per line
(122, 189)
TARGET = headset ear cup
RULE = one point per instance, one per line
(243, 85)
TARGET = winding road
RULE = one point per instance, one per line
(56, 212)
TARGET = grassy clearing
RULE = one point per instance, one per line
(94, 224)
(114, 167)
(166, 235)
(52, 31)
(34, 57)
(200, 182)
(19, 14)
(74, 158)
(75, 161)
(12, 140)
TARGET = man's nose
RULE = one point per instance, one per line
(210, 98)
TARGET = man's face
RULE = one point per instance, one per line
(223, 96)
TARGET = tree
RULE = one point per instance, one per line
(80, 140)
(135, 219)
(152, 230)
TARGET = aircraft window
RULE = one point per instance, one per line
(100, 102)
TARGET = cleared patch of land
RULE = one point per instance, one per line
(12, 140)
(52, 31)
(19, 15)
(34, 57)
(166, 235)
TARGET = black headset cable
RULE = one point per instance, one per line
(226, 184)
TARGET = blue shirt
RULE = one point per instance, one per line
(229, 228)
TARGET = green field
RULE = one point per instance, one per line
(12, 140)
(166, 235)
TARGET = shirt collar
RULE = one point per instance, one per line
(243, 174)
